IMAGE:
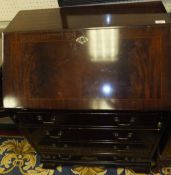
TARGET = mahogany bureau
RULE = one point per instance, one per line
(91, 85)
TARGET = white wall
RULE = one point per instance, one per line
(0, 50)
(167, 5)
(9, 8)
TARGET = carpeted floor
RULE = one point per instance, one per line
(17, 157)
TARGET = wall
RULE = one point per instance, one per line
(0, 49)
(9, 8)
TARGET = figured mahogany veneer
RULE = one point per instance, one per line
(117, 68)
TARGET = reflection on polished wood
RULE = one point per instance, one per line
(114, 69)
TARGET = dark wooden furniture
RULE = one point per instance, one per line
(91, 85)
(69, 3)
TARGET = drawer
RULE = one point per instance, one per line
(93, 159)
(100, 135)
(89, 148)
(93, 120)
(109, 147)
(85, 135)
(137, 167)
(94, 138)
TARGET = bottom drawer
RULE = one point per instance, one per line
(136, 141)
(137, 167)
(94, 159)
(97, 148)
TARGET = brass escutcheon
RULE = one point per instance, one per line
(82, 40)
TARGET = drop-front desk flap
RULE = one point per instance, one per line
(120, 67)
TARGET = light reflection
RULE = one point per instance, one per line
(10, 102)
(101, 104)
(104, 45)
(108, 19)
(107, 89)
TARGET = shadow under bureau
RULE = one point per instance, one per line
(91, 85)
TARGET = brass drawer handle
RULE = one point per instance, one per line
(46, 156)
(48, 122)
(55, 137)
(39, 118)
(159, 124)
(58, 136)
(126, 148)
(89, 158)
(116, 135)
(123, 124)
(81, 40)
(120, 159)
(52, 121)
(64, 157)
(117, 120)
(122, 138)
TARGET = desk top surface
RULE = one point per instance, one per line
(71, 18)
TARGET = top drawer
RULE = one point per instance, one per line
(149, 120)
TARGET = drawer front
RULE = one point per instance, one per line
(117, 120)
(138, 167)
(99, 135)
(92, 159)
(114, 141)
(95, 135)
(96, 148)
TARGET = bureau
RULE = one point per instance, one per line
(91, 85)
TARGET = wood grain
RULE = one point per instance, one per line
(52, 71)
